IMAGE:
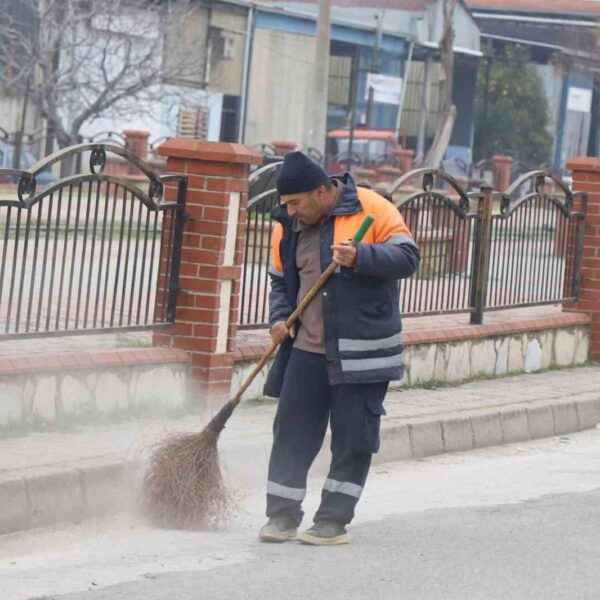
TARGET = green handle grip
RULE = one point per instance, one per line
(358, 236)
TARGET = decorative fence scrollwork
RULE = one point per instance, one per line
(91, 252)
(480, 251)
(446, 233)
(536, 242)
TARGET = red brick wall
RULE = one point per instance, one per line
(137, 142)
(211, 260)
(586, 178)
(502, 171)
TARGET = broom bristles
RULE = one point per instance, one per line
(183, 486)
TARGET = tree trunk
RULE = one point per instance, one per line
(440, 143)
(448, 113)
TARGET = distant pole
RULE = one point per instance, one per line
(375, 68)
(353, 108)
(425, 108)
(407, 66)
(246, 74)
(22, 126)
(486, 95)
(317, 117)
(369, 117)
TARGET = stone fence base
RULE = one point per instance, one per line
(495, 356)
(456, 354)
(83, 385)
(113, 382)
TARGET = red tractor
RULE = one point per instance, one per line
(371, 148)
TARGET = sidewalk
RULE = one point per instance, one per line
(53, 477)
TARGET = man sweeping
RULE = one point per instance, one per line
(336, 365)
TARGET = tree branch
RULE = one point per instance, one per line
(90, 58)
(448, 112)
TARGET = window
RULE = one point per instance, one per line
(340, 77)
(223, 45)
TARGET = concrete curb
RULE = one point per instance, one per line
(50, 495)
(96, 487)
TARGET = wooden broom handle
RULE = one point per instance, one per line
(314, 290)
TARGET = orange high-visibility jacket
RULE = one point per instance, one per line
(363, 330)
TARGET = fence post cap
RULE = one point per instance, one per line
(210, 151)
(584, 163)
(141, 133)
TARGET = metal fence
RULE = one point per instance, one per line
(535, 244)
(480, 251)
(445, 231)
(263, 198)
(89, 253)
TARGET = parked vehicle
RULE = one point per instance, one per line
(369, 147)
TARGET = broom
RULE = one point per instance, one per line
(183, 486)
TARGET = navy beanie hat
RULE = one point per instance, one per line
(300, 173)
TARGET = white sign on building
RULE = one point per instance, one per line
(579, 99)
(386, 88)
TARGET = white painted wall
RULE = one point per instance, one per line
(281, 78)
(160, 116)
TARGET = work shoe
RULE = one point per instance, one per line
(325, 533)
(278, 529)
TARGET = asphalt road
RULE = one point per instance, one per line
(520, 522)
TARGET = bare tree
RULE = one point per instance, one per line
(78, 60)
(448, 109)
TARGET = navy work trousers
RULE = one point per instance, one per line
(306, 403)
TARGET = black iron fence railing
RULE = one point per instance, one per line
(480, 251)
(446, 232)
(263, 198)
(90, 252)
(535, 243)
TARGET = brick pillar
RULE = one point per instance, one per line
(137, 142)
(502, 172)
(586, 178)
(404, 157)
(211, 260)
(282, 147)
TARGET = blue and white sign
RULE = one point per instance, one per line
(386, 88)
(579, 99)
